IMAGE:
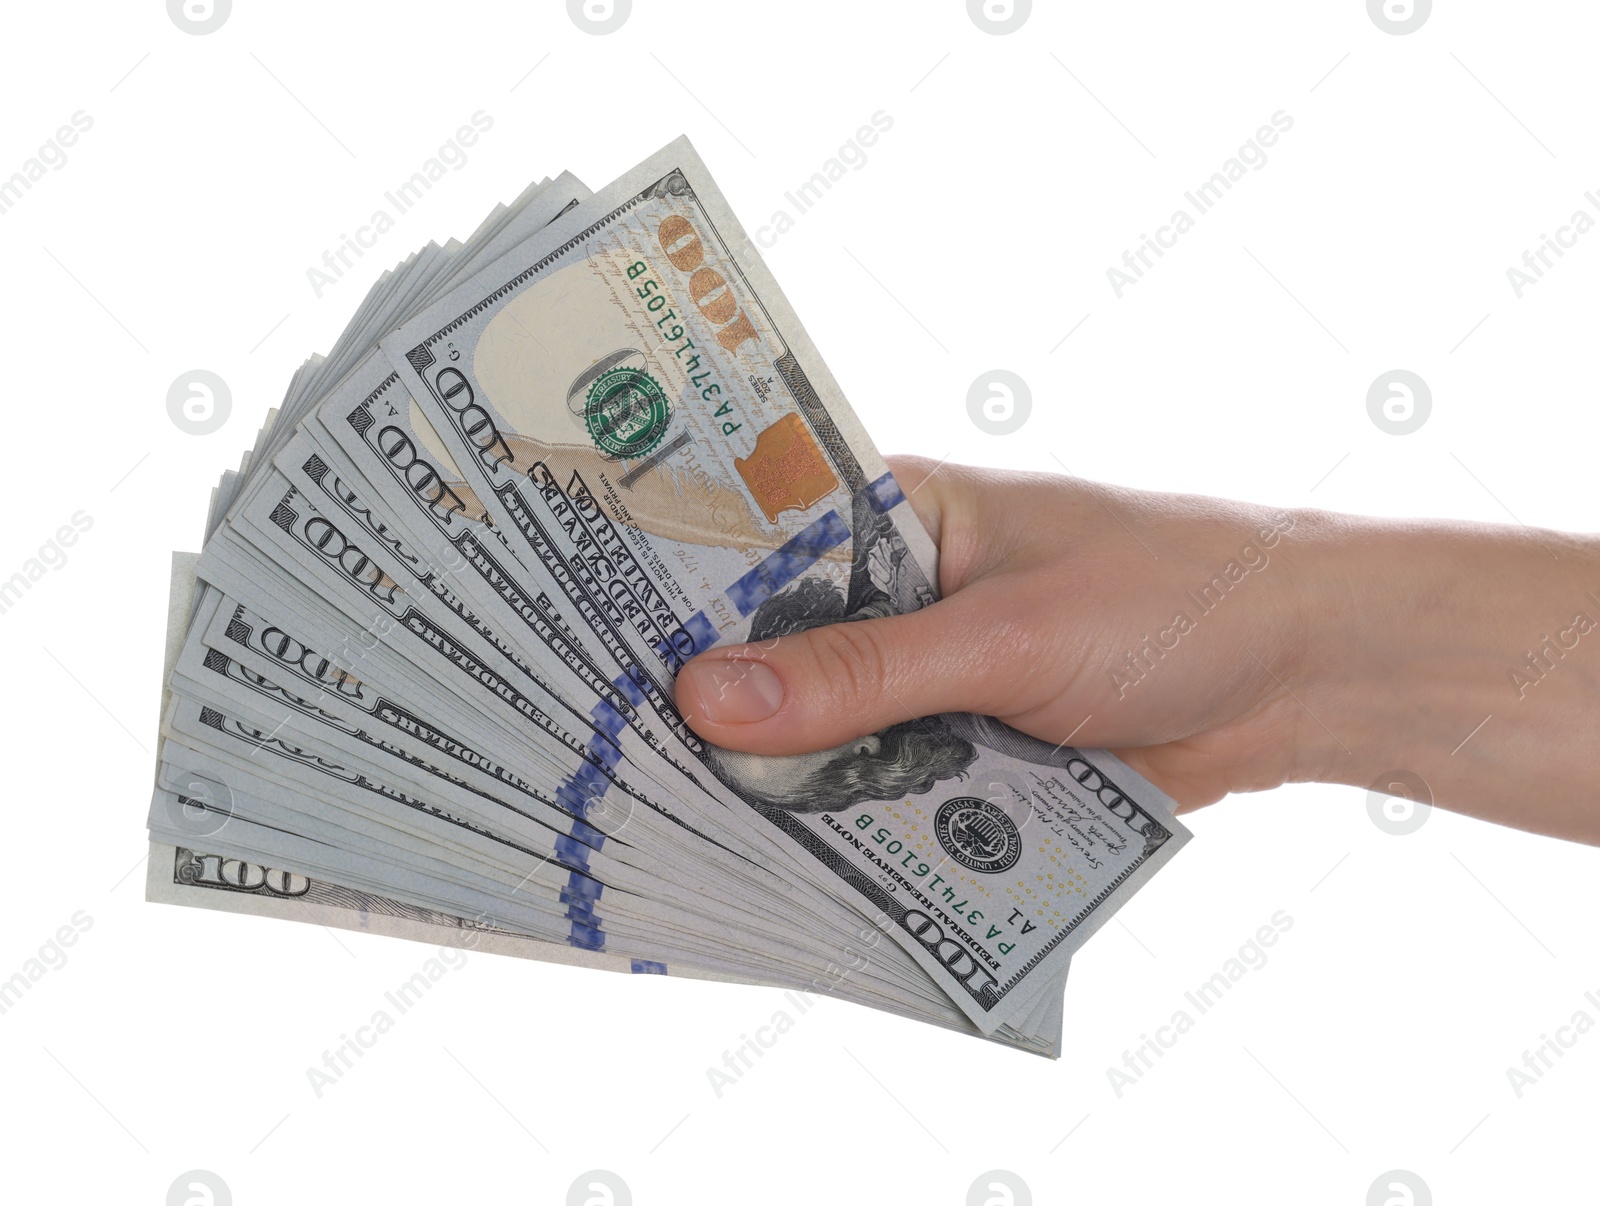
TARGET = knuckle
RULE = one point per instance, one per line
(849, 661)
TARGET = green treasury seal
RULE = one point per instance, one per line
(626, 412)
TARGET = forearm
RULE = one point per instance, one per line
(1465, 654)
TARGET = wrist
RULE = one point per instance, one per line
(1463, 653)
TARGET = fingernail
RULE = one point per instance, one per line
(734, 692)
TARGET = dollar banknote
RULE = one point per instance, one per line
(427, 656)
(640, 412)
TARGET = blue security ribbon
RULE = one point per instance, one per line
(587, 784)
(783, 565)
(885, 493)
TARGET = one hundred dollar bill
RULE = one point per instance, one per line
(639, 413)
(429, 687)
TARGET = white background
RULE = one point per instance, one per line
(977, 235)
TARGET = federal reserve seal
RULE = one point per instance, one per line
(978, 835)
(626, 412)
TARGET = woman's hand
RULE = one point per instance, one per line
(1216, 646)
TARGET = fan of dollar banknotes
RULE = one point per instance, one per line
(420, 679)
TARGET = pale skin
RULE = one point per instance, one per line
(1347, 649)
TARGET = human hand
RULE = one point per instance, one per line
(1215, 646)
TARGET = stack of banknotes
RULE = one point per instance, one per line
(421, 676)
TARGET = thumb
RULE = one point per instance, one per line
(820, 688)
